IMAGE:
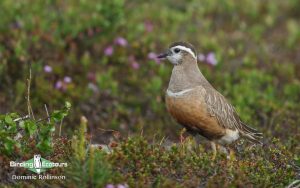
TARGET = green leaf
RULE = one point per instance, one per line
(12, 128)
(22, 124)
(67, 105)
(45, 129)
(57, 116)
(297, 161)
(30, 127)
(45, 145)
(8, 120)
(9, 145)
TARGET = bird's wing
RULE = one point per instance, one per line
(226, 115)
(224, 112)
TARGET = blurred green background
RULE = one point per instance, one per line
(100, 56)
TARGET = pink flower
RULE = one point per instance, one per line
(16, 25)
(153, 56)
(135, 65)
(59, 84)
(116, 186)
(91, 76)
(108, 51)
(121, 41)
(211, 59)
(47, 68)
(90, 32)
(109, 186)
(122, 186)
(201, 57)
(67, 79)
(148, 26)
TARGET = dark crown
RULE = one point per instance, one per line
(185, 44)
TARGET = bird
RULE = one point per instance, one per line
(195, 104)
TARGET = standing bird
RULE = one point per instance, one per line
(199, 107)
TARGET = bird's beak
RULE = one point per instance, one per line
(164, 55)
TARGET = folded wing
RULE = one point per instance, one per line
(226, 115)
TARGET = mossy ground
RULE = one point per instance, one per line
(136, 162)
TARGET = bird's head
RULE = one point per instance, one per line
(180, 52)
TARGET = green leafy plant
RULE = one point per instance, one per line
(19, 135)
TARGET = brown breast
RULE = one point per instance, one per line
(190, 111)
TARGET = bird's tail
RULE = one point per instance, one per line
(251, 134)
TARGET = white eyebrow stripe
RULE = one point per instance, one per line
(186, 49)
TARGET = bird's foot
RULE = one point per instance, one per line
(231, 156)
(214, 156)
(182, 137)
(214, 148)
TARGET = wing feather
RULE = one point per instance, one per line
(226, 115)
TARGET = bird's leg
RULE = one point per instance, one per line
(223, 149)
(182, 138)
(214, 148)
(231, 155)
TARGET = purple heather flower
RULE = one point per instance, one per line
(153, 56)
(91, 76)
(59, 84)
(16, 25)
(131, 58)
(109, 186)
(121, 41)
(148, 26)
(67, 79)
(90, 32)
(211, 59)
(122, 186)
(108, 51)
(135, 65)
(47, 68)
(201, 57)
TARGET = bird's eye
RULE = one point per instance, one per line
(176, 50)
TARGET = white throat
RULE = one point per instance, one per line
(177, 94)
